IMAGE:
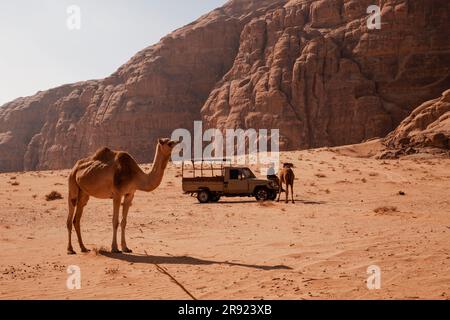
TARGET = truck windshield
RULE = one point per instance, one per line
(247, 173)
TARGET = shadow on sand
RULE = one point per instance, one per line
(147, 259)
(305, 201)
(282, 200)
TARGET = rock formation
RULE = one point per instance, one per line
(428, 126)
(314, 70)
(310, 68)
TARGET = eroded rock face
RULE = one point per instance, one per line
(310, 68)
(314, 70)
(160, 89)
(428, 126)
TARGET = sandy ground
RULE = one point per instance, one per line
(319, 248)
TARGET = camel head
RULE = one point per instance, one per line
(165, 146)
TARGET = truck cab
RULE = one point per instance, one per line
(237, 180)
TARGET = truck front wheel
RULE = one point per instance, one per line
(203, 196)
(262, 194)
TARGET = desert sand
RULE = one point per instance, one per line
(349, 214)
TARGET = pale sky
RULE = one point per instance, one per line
(38, 51)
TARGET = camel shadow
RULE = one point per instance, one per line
(305, 201)
(147, 259)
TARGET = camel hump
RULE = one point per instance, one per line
(104, 155)
(126, 168)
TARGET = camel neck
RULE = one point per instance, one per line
(152, 180)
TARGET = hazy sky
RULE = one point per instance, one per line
(38, 51)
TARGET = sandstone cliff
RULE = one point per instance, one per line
(310, 68)
(428, 126)
(315, 71)
(162, 88)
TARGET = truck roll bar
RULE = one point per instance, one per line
(222, 162)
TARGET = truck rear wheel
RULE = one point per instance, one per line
(262, 194)
(203, 196)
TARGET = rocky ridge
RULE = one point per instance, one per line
(310, 68)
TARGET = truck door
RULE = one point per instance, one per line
(236, 183)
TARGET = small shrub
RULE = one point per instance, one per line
(112, 270)
(54, 195)
(385, 209)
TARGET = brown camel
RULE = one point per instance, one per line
(287, 177)
(112, 175)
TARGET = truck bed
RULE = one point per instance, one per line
(212, 183)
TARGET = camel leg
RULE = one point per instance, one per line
(279, 193)
(279, 190)
(126, 207)
(83, 199)
(116, 210)
(287, 192)
(292, 192)
(74, 190)
(69, 227)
